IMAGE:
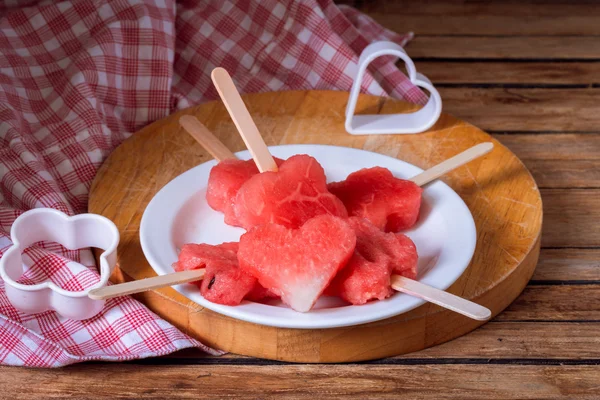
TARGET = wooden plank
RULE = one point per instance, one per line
(570, 146)
(503, 109)
(555, 303)
(521, 340)
(487, 24)
(305, 381)
(484, 18)
(561, 174)
(576, 165)
(571, 218)
(568, 265)
(505, 47)
(543, 73)
(535, 8)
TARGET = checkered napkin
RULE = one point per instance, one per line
(79, 77)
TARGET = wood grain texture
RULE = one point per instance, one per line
(555, 303)
(553, 147)
(571, 217)
(568, 264)
(507, 73)
(484, 18)
(506, 48)
(498, 189)
(518, 109)
(557, 174)
(455, 25)
(558, 160)
(520, 340)
(309, 382)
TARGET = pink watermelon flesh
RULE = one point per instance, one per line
(225, 180)
(224, 282)
(377, 255)
(390, 203)
(289, 197)
(297, 264)
(259, 293)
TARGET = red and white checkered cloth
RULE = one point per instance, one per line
(78, 77)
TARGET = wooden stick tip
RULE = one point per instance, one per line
(186, 119)
(486, 146)
(219, 72)
(484, 315)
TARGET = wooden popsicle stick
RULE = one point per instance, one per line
(440, 297)
(452, 163)
(143, 285)
(242, 120)
(214, 146)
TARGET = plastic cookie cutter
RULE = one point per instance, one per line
(80, 231)
(415, 122)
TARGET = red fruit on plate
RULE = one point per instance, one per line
(224, 282)
(404, 257)
(297, 264)
(289, 197)
(224, 181)
(377, 255)
(390, 203)
(259, 293)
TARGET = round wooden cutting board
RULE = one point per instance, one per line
(498, 189)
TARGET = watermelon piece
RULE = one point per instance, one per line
(225, 180)
(259, 293)
(289, 197)
(224, 282)
(297, 264)
(377, 255)
(390, 203)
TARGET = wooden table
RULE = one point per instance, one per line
(529, 74)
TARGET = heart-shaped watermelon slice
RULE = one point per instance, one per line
(289, 197)
(377, 255)
(390, 203)
(297, 264)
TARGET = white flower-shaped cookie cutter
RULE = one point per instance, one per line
(80, 231)
(415, 122)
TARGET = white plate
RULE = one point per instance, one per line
(444, 235)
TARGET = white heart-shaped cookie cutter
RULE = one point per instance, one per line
(415, 122)
(80, 231)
